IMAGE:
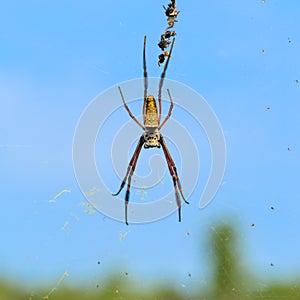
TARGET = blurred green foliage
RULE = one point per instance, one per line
(229, 281)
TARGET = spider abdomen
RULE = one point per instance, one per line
(151, 138)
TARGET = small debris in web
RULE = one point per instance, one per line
(171, 12)
(142, 192)
(89, 207)
(123, 236)
(59, 194)
(92, 191)
(66, 227)
(57, 285)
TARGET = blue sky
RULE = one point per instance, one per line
(55, 57)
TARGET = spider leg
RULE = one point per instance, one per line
(145, 77)
(174, 175)
(129, 183)
(162, 77)
(169, 159)
(178, 181)
(169, 112)
(129, 173)
(128, 110)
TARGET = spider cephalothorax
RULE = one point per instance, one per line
(151, 136)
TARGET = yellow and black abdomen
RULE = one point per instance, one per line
(151, 116)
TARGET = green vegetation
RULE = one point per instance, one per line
(229, 282)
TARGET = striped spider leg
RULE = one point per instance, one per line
(151, 136)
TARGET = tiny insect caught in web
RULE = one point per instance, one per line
(151, 137)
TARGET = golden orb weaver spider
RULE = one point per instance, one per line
(151, 136)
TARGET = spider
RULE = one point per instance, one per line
(151, 136)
